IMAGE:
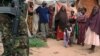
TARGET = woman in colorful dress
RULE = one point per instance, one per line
(35, 20)
(30, 17)
(93, 30)
(51, 9)
(82, 27)
(62, 21)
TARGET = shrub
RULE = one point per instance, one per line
(36, 42)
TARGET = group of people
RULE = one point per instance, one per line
(76, 26)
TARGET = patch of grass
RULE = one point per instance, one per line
(52, 36)
(36, 42)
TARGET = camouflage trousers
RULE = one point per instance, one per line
(13, 45)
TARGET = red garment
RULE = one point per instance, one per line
(51, 16)
(60, 34)
(72, 17)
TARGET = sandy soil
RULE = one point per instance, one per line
(55, 48)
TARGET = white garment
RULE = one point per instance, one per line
(38, 1)
(26, 1)
(92, 38)
(35, 19)
(69, 32)
(65, 40)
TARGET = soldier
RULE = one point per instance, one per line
(5, 29)
(14, 37)
(9, 43)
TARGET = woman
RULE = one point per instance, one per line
(82, 27)
(57, 9)
(93, 31)
(51, 9)
(35, 19)
(30, 16)
(61, 21)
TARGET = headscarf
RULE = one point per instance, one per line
(62, 18)
(94, 20)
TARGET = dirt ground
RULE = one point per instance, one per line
(55, 48)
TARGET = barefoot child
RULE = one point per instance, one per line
(72, 20)
(67, 33)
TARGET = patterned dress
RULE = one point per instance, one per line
(82, 27)
(93, 32)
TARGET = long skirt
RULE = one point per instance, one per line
(59, 34)
(51, 21)
(56, 25)
(29, 21)
(91, 38)
(76, 32)
(81, 35)
(35, 23)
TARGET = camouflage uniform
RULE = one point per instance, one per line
(13, 45)
(5, 29)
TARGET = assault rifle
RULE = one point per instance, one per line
(14, 9)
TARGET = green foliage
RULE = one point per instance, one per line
(52, 36)
(36, 42)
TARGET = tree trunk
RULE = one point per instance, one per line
(13, 45)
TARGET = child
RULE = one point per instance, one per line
(72, 21)
(67, 33)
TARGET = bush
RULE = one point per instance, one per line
(36, 42)
(52, 36)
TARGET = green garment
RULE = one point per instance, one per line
(76, 28)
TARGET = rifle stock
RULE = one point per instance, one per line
(16, 20)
